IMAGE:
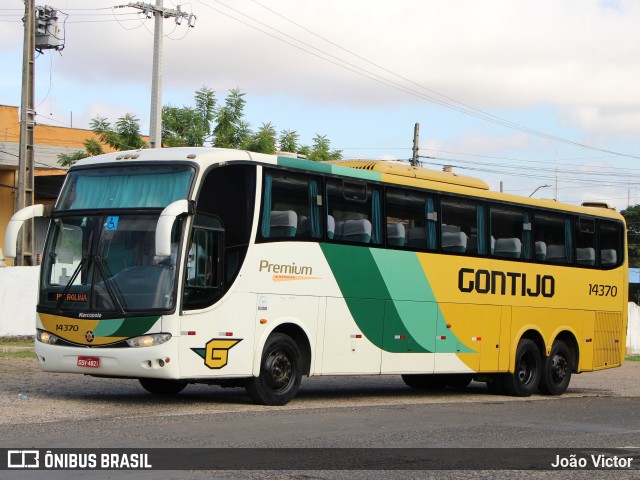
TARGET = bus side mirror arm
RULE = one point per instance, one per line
(15, 224)
(166, 221)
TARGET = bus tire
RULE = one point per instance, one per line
(161, 386)
(525, 379)
(556, 371)
(426, 381)
(280, 372)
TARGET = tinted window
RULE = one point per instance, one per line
(411, 220)
(291, 208)
(553, 238)
(462, 228)
(511, 235)
(354, 212)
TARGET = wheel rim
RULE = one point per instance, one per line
(280, 370)
(526, 370)
(559, 368)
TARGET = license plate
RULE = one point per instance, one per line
(92, 362)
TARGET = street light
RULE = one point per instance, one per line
(538, 188)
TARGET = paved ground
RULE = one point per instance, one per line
(25, 389)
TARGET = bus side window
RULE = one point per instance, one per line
(586, 242)
(355, 208)
(291, 207)
(511, 230)
(411, 219)
(609, 243)
(554, 232)
(462, 228)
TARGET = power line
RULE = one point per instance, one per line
(448, 102)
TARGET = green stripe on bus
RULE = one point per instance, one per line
(390, 299)
(135, 326)
(328, 168)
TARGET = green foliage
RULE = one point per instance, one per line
(321, 150)
(92, 147)
(125, 135)
(224, 127)
(231, 131)
(66, 160)
(288, 141)
(632, 217)
(189, 126)
(262, 141)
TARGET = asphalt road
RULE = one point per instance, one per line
(37, 410)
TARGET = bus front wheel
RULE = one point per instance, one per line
(280, 372)
(159, 386)
(524, 381)
(556, 371)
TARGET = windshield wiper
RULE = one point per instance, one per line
(107, 284)
(86, 258)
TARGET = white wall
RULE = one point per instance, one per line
(18, 296)
(633, 330)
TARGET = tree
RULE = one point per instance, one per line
(198, 124)
(124, 136)
(231, 131)
(288, 141)
(262, 141)
(321, 150)
(632, 217)
(189, 126)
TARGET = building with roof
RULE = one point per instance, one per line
(50, 141)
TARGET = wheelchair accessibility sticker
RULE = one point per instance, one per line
(111, 224)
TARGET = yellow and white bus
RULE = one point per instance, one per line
(202, 265)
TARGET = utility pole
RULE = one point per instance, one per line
(24, 194)
(416, 141)
(159, 13)
(43, 35)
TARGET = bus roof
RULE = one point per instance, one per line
(377, 170)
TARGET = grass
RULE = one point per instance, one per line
(23, 354)
(633, 358)
(23, 341)
(17, 341)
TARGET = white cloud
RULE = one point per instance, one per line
(579, 56)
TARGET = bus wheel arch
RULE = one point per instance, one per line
(298, 335)
(281, 367)
(524, 379)
(559, 364)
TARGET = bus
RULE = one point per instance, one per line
(201, 265)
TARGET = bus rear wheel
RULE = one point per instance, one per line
(556, 371)
(525, 379)
(280, 372)
(161, 386)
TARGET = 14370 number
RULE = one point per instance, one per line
(600, 290)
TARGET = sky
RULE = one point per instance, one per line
(537, 96)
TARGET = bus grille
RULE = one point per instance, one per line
(606, 343)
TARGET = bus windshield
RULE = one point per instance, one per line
(125, 187)
(106, 263)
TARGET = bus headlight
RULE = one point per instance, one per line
(149, 340)
(46, 337)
